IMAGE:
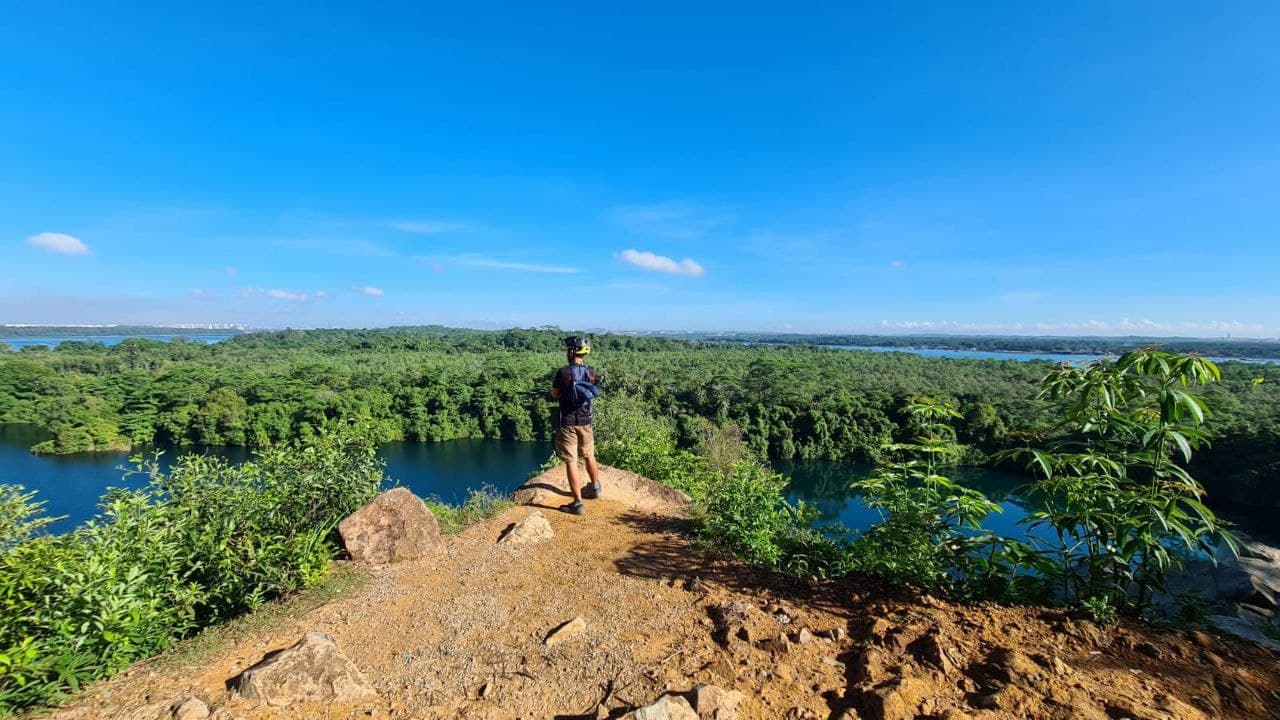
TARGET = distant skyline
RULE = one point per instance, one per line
(1085, 168)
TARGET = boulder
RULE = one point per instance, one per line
(313, 670)
(395, 526)
(1243, 629)
(712, 702)
(668, 707)
(534, 529)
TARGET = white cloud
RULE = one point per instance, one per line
(322, 294)
(483, 261)
(59, 243)
(370, 291)
(428, 227)
(231, 271)
(897, 264)
(288, 295)
(661, 263)
(198, 292)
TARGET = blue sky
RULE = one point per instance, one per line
(1019, 167)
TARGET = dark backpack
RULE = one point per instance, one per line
(582, 388)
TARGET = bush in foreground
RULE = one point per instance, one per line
(203, 543)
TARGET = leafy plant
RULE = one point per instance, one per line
(1100, 610)
(926, 533)
(1116, 493)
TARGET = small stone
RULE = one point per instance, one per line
(566, 632)
(777, 644)
(485, 690)
(1149, 649)
(712, 702)
(837, 634)
(533, 529)
(804, 637)
(189, 709)
(1059, 667)
(667, 707)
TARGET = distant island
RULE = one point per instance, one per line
(1067, 345)
(60, 331)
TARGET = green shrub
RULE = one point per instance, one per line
(201, 544)
(480, 505)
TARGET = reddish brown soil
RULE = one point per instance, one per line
(461, 635)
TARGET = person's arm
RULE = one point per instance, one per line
(555, 386)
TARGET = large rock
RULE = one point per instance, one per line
(534, 529)
(551, 489)
(668, 707)
(313, 670)
(395, 526)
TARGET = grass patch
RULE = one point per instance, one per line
(480, 505)
(343, 578)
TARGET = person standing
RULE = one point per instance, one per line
(576, 386)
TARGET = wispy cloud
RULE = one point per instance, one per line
(230, 271)
(672, 220)
(897, 264)
(428, 227)
(59, 243)
(366, 290)
(661, 263)
(288, 295)
(484, 261)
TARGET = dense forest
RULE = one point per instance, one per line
(1073, 345)
(433, 384)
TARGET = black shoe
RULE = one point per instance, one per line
(591, 492)
(574, 508)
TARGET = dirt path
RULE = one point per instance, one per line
(461, 635)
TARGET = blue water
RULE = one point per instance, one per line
(71, 485)
(1019, 356)
(108, 340)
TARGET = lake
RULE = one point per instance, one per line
(72, 484)
(18, 343)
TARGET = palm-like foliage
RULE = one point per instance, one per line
(1117, 495)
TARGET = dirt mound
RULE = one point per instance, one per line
(551, 489)
(464, 634)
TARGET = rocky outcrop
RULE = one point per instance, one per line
(534, 529)
(551, 489)
(1241, 593)
(313, 670)
(395, 526)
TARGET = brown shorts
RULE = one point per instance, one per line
(572, 439)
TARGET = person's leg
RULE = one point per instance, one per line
(588, 444)
(567, 451)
